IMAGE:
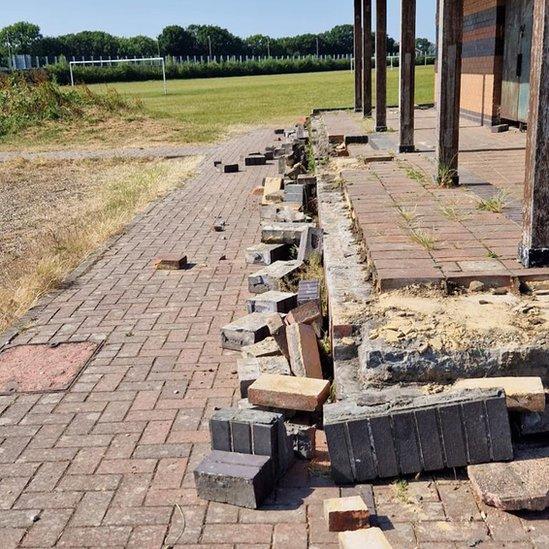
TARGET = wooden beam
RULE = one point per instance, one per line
(367, 52)
(381, 66)
(358, 55)
(448, 86)
(534, 249)
(407, 74)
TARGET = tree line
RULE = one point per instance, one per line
(200, 40)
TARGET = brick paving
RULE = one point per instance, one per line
(109, 462)
(417, 232)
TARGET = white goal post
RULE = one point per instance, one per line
(102, 62)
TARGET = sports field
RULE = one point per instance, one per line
(209, 107)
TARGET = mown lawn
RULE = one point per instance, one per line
(208, 108)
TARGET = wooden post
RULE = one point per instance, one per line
(450, 46)
(534, 249)
(367, 52)
(381, 66)
(358, 55)
(407, 74)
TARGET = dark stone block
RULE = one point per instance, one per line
(406, 444)
(455, 453)
(429, 440)
(255, 160)
(382, 439)
(231, 168)
(498, 422)
(242, 437)
(308, 290)
(475, 427)
(243, 480)
(221, 434)
(339, 453)
(362, 458)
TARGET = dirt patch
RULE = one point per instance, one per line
(459, 322)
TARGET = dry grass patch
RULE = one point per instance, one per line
(53, 214)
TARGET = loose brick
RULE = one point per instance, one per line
(310, 244)
(523, 394)
(273, 277)
(309, 290)
(272, 190)
(245, 331)
(372, 538)
(535, 423)
(243, 480)
(303, 349)
(250, 369)
(289, 393)
(272, 302)
(307, 313)
(267, 347)
(255, 160)
(283, 233)
(266, 254)
(302, 437)
(404, 436)
(295, 192)
(171, 262)
(346, 514)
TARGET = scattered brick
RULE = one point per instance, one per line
(245, 331)
(372, 538)
(523, 394)
(302, 437)
(266, 254)
(283, 233)
(535, 423)
(289, 393)
(273, 277)
(311, 243)
(250, 369)
(265, 348)
(256, 159)
(272, 190)
(309, 313)
(500, 128)
(171, 262)
(346, 514)
(272, 302)
(295, 192)
(308, 290)
(303, 349)
(411, 435)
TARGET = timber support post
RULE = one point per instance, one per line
(367, 52)
(358, 55)
(448, 88)
(407, 75)
(381, 66)
(534, 249)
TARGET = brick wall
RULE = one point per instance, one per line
(482, 59)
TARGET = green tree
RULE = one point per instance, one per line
(137, 46)
(259, 44)
(175, 40)
(19, 37)
(339, 40)
(222, 41)
(425, 46)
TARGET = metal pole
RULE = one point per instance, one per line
(72, 76)
(164, 76)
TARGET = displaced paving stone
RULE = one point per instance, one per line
(522, 484)
(272, 302)
(231, 168)
(500, 128)
(255, 160)
(294, 192)
(243, 480)
(171, 262)
(273, 277)
(308, 290)
(303, 349)
(253, 431)
(346, 514)
(372, 538)
(289, 393)
(272, 191)
(250, 369)
(415, 434)
(533, 423)
(245, 331)
(283, 213)
(283, 233)
(310, 244)
(523, 394)
(302, 437)
(308, 313)
(266, 254)
(267, 347)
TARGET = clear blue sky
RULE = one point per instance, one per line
(242, 17)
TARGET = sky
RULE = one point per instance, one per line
(242, 17)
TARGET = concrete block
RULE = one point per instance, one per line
(309, 290)
(371, 538)
(294, 192)
(303, 349)
(272, 190)
(253, 431)
(523, 394)
(283, 213)
(245, 331)
(289, 393)
(273, 277)
(311, 242)
(309, 313)
(250, 369)
(346, 514)
(171, 262)
(243, 480)
(500, 128)
(266, 254)
(272, 302)
(283, 233)
(416, 433)
(255, 160)
(302, 437)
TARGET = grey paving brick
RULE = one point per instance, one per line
(272, 277)
(266, 254)
(272, 302)
(245, 331)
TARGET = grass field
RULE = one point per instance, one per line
(209, 107)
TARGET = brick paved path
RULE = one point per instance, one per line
(109, 462)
